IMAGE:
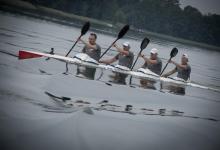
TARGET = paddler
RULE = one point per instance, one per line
(125, 58)
(154, 64)
(183, 68)
(92, 49)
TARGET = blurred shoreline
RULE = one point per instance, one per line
(57, 16)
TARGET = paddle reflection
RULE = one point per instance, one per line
(69, 105)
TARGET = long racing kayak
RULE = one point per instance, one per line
(83, 59)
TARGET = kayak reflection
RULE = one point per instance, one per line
(70, 105)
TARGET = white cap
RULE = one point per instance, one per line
(127, 44)
(154, 51)
(186, 56)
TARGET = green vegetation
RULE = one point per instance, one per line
(154, 18)
(160, 16)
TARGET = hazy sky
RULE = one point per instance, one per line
(204, 6)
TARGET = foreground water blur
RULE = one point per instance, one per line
(96, 116)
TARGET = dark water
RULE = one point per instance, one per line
(30, 119)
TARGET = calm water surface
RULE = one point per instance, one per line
(28, 115)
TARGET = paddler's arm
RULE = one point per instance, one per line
(108, 61)
(94, 47)
(169, 73)
(120, 50)
(178, 65)
(149, 61)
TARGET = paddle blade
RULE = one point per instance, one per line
(123, 31)
(85, 28)
(26, 55)
(174, 52)
(144, 43)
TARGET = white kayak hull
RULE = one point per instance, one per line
(84, 60)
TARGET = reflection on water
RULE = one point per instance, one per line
(118, 78)
(147, 84)
(163, 86)
(90, 73)
(25, 81)
(105, 105)
(86, 72)
(172, 88)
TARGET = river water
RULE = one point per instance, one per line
(30, 119)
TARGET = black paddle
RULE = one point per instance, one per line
(173, 53)
(84, 29)
(123, 31)
(144, 44)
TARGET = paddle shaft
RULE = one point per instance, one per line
(74, 45)
(108, 49)
(134, 64)
(165, 66)
(122, 32)
(144, 44)
(136, 59)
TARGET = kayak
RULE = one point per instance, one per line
(83, 59)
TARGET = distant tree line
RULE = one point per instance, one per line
(161, 16)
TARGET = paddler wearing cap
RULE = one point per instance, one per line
(125, 58)
(183, 69)
(154, 64)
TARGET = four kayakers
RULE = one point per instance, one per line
(125, 58)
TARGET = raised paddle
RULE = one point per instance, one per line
(123, 31)
(144, 44)
(173, 53)
(84, 29)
